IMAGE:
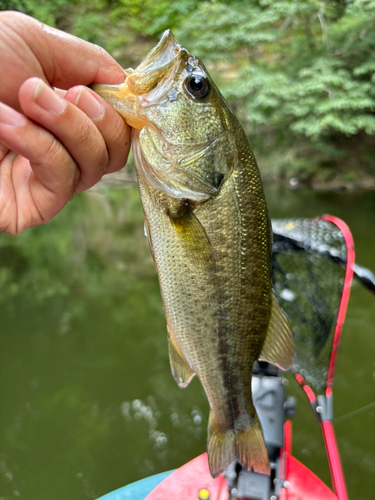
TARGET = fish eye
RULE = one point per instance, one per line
(197, 86)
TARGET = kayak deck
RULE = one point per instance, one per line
(186, 482)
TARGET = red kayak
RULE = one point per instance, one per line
(193, 481)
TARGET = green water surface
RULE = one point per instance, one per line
(87, 401)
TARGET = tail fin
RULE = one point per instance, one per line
(251, 449)
(246, 444)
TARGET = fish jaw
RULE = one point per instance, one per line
(124, 101)
(130, 98)
(162, 53)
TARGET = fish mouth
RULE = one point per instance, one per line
(128, 97)
(157, 63)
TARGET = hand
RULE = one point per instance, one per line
(52, 143)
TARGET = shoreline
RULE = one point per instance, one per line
(294, 183)
(126, 177)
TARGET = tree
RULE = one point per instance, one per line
(298, 73)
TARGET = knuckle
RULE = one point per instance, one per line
(8, 225)
(54, 163)
(53, 151)
(8, 229)
(90, 140)
(85, 135)
(100, 50)
(102, 53)
(93, 156)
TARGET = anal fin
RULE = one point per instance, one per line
(181, 371)
(279, 346)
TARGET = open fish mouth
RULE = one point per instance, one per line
(129, 97)
(157, 63)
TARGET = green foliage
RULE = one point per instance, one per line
(148, 17)
(299, 74)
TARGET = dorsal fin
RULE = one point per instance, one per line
(278, 347)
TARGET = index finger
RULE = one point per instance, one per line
(65, 59)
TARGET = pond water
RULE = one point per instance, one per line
(87, 400)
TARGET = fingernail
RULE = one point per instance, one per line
(47, 99)
(9, 116)
(88, 104)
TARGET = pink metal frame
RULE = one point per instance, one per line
(328, 432)
(350, 258)
(334, 460)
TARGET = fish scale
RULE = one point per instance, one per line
(228, 221)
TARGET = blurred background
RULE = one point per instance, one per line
(87, 401)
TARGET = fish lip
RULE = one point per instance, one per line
(163, 53)
(160, 61)
(140, 89)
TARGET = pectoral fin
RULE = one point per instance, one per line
(195, 241)
(181, 371)
(279, 347)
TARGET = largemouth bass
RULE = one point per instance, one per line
(209, 232)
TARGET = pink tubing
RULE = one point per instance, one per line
(334, 461)
(329, 437)
(308, 391)
(330, 442)
(350, 258)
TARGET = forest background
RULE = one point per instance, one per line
(300, 75)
